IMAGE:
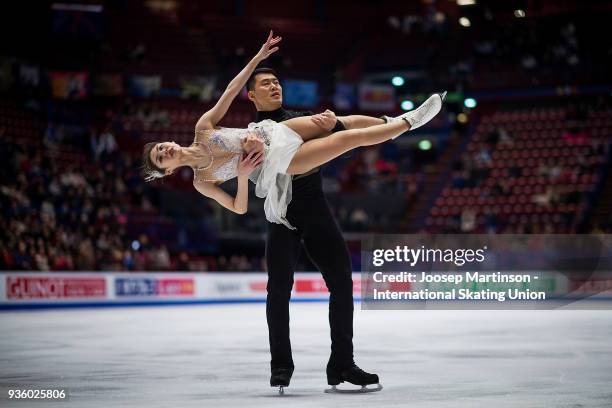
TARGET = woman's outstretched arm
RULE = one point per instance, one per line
(214, 116)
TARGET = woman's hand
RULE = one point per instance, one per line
(267, 49)
(252, 143)
(325, 120)
(248, 163)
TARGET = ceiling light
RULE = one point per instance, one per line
(465, 22)
(397, 81)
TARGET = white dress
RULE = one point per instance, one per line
(271, 181)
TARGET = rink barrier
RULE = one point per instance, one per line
(78, 305)
(31, 290)
(28, 290)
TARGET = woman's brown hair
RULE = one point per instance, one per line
(150, 170)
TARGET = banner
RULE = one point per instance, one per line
(69, 85)
(144, 86)
(345, 97)
(376, 97)
(50, 287)
(60, 289)
(154, 287)
(200, 88)
(302, 94)
(82, 289)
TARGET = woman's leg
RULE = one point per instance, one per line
(319, 151)
(304, 126)
(360, 121)
(307, 129)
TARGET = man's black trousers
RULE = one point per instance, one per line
(315, 225)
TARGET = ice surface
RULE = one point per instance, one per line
(217, 356)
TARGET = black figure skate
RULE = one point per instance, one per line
(280, 378)
(353, 375)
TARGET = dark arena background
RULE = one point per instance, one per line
(121, 292)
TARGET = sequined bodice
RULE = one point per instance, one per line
(226, 148)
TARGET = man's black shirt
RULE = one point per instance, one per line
(280, 114)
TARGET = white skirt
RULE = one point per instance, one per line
(271, 181)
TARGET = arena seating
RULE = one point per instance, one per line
(526, 170)
(537, 167)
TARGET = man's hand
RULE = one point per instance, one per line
(267, 49)
(248, 163)
(325, 120)
(252, 143)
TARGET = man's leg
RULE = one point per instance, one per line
(282, 251)
(326, 248)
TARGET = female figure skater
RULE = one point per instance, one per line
(268, 152)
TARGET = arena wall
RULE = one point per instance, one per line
(27, 290)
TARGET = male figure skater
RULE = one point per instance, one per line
(309, 212)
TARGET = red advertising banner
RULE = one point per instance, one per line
(175, 287)
(259, 286)
(376, 97)
(31, 287)
(310, 285)
(317, 285)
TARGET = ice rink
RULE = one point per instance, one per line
(217, 356)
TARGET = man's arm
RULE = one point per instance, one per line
(214, 116)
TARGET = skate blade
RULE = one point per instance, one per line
(363, 389)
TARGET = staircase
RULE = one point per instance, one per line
(433, 183)
(603, 209)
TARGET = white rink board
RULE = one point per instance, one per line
(82, 289)
(91, 288)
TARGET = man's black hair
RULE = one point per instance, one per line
(251, 82)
